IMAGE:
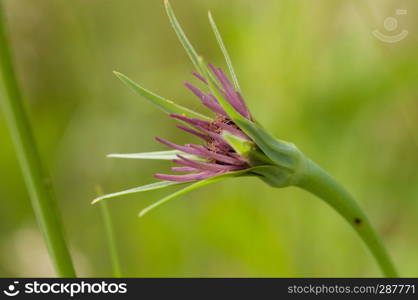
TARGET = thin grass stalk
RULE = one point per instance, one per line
(110, 236)
(34, 175)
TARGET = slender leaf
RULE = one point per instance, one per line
(191, 52)
(224, 51)
(177, 194)
(149, 187)
(166, 105)
(246, 172)
(159, 155)
(185, 190)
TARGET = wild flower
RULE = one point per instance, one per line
(217, 156)
(234, 145)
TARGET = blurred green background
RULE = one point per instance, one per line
(311, 72)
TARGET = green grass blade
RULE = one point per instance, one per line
(166, 105)
(149, 187)
(110, 236)
(158, 155)
(43, 203)
(111, 239)
(224, 51)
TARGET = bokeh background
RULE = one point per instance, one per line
(311, 72)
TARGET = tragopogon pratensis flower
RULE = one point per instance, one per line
(217, 156)
(233, 145)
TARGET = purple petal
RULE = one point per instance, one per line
(212, 134)
(205, 166)
(217, 138)
(194, 132)
(232, 96)
(187, 148)
(195, 90)
(241, 100)
(200, 77)
(229, 88)
(221, 147)
(219, 157)
(213, 98)
(222, 78)
(191, 121)
(183, 169)
(206, 99)
(215, 107)
(186, 177)
(177, 147)
(233, 130)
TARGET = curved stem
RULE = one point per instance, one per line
(42, 202)
(317, 181)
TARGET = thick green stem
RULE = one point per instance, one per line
(46, 213)
(317, 181)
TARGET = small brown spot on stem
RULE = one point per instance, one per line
(357, 221)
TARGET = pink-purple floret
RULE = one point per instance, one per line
(216, 156)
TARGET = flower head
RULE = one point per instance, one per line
(232, 144)
(216, 156)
